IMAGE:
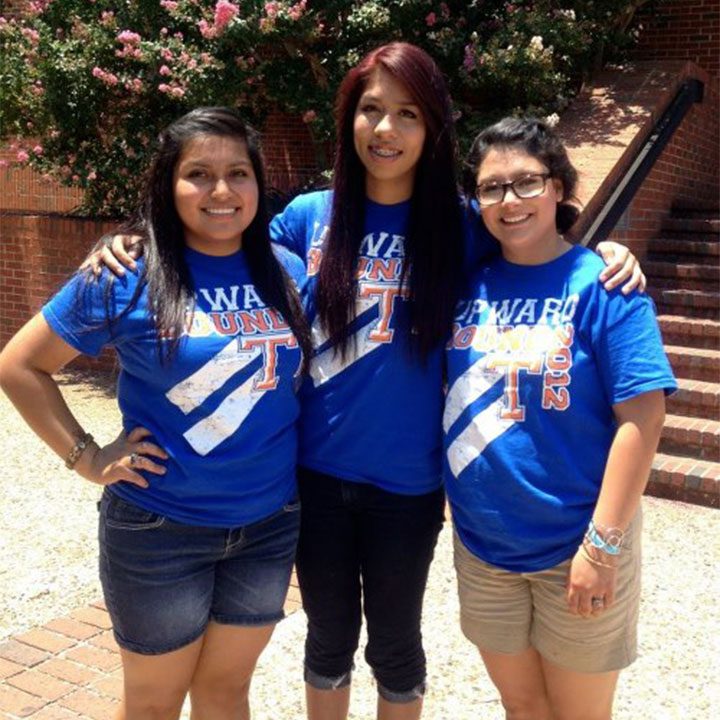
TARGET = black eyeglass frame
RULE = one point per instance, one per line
(511, 184)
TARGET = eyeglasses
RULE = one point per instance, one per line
(526, 187)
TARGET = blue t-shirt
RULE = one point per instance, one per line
(539, 355)
(375, 417)
(225, 407)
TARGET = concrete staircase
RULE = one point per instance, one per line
(683, 269)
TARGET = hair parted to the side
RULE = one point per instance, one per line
(433, 245)
(170, 290)
(537, 139)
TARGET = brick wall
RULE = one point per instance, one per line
(37, 254)
(291, 157)
(680, 30)
(686, 174)
(291, 160)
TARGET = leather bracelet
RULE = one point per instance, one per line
(77, 450)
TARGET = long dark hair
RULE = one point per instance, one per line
(433, 244)
(536, 138)
(170, 289)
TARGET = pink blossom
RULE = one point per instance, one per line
(92, 176)
(135, 85)
(38, 7)
(22, 156)
(166, 54)
(106, 77)
(129, 51)
(4, 163)
(165, 70)
(271, 9)
(266, 24)
(225, 12)
(469, 60)
(178, 36)
(164, 31)
(32, 36)
(38, 150)
(309, 116)
(295, 12)
(431, 19)
(163, 87)
(75, 178)
(107, 18)
(169, 5)
(127, 37)
(445, 11)
(177, 92)
(207, 30)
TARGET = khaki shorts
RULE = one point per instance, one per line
(507, 612)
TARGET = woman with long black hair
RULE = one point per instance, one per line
(199, 518)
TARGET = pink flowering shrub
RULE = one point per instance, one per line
(86, 84)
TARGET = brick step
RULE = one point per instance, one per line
(679, 249)
(694, 363)
(696, 313)
(698, 438)
(695, 398)
(691, 332)
(679, 478)
(694, 303)
(660, 267)
(689, 208)
(703, 284)
(691, 225)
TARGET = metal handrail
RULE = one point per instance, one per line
(689, 93)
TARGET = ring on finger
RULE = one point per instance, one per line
(133, 459)
(597, 603)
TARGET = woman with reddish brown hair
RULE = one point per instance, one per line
(387, 248)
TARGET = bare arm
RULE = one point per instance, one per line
(27, 364)
(622, 266)
(640, 422)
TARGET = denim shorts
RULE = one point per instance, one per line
(164, 581)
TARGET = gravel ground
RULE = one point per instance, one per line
(48, 568)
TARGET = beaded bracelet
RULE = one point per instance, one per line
(610, 541)
(77, 450)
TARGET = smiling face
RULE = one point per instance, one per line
(215, 193)
(525, 229)
(389, 134)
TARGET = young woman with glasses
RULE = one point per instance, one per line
(554, 410)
